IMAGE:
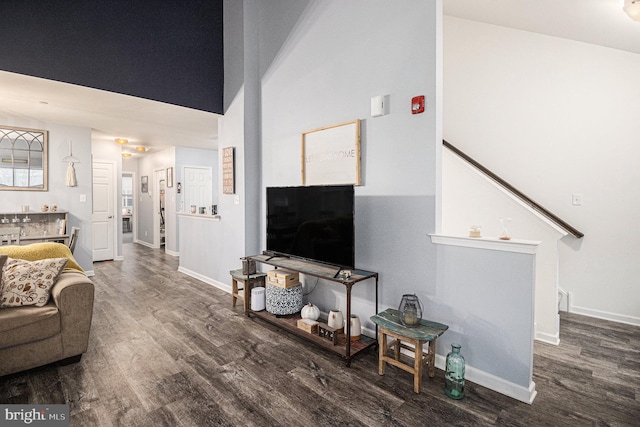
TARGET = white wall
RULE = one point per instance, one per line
(469, 198)
(67, 198)
(185, 157)
(555, 117)
(146, 202)
(334, 60)
(487, 298)
(320, 63)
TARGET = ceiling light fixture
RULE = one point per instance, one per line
(632, 8)
(122, 141)
(126, 155)
(142, 149)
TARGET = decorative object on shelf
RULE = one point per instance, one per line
(144, 184)
(248, 266)
(53, 207)
(505, 232)
(308, 325)
(328, 333)
(283, 278)
(356, 328)
(475, 231)
(331, 154)
(44, 208)
(71, 160)
(25, 208)
(344, 274)
(410, 310)
(214, 209)
(61, 225)
(336, 321)
(283, 301)
(193, 209)
(310, 311)
(454, 373)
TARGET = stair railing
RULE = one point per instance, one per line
(517, 193)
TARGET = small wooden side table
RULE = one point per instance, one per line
(256, 279)
(389, 323)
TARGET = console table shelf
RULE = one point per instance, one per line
(345, 347)
(37, 226)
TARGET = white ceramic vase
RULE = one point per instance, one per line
(356, 328)
(335, 320)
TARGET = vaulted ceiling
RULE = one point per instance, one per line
(156, 123)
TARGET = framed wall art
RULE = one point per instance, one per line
(331, 155)
(23, 159)
(169, 177)
(228, 171)
(144, 184)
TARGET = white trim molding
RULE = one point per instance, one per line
(494, 244)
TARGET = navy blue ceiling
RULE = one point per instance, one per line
(164, 50)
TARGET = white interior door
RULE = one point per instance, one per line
(103, 218)
(198, 187)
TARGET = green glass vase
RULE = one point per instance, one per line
(454, 373)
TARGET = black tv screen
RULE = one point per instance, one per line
(312, 222)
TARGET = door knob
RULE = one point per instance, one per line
(110, 216)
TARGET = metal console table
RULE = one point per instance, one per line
(345, 347)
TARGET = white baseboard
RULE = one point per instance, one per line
(548, 338)
(149, 245)
(205, 279)
(171, 253)
(490, 381)
(90, 273)
(614, 317)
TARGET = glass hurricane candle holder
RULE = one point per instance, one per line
(505, 232)
(410, 310)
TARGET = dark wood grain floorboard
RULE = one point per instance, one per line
(169, 350)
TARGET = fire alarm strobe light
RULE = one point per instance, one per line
(417, 104)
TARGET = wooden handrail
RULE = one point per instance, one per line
(526, 199)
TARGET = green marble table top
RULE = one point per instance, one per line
(426, 331)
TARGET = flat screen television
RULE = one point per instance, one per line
(312, 222)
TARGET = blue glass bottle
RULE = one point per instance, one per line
(454, 373)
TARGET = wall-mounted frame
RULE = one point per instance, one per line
(23, 159)
(331, 155)
(228, 171)
(144, 184)
(169, 177)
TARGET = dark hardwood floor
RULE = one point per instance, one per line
(168, 350)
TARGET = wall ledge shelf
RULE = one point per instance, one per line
(200, 216)
(490, 243)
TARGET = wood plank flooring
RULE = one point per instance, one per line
(168, 350)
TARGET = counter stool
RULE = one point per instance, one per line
(256, 279)
(389, 323)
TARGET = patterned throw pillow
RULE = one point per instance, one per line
(28, 282)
